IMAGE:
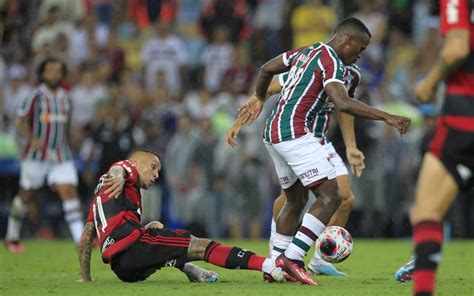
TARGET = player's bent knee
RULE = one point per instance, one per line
(197, 248)
(419, 214)
(348, 201)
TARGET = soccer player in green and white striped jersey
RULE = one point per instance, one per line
(315, 80)
(278, 243)
(43, 119)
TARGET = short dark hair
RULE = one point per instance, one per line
(144, 150)
(50, 60)
(354, 24)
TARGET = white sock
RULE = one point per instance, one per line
(73, 217)
(307, 234)
(268, 265)
(273, 230)
(15, 220)
(280, 243)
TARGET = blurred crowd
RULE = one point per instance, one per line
(169, 75)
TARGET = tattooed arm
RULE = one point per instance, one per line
(115, 180)
(85, 251)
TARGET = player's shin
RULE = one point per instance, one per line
(234, 257)
(428, 236)
(73, 217)
(280, 244)
(310, 229)
(17, 214)
(272, 237)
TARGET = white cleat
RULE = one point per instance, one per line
(197, 274)
(321, 267)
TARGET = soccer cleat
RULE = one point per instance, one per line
(201, 275)
(321, 267)
(404, 273)
(14, 247)
(295, 270)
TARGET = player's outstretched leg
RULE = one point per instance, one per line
(232, 258)
(18, 211)
(197, 274)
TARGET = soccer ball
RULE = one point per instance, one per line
(334, 244)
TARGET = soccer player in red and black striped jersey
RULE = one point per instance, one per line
(135, 252)
(448, 166)
(43, 119)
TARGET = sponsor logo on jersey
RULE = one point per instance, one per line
(47, 117)
(107, 243)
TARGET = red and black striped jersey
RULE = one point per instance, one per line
(458, 107)
(459, 14)
(117, 220)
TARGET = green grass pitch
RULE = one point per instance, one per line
(51, 268)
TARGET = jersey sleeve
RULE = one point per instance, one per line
(90, 214)
(131, 173)
(282, 78)
(454, 15)
(331, 67)
(27, 105)
(289, 56)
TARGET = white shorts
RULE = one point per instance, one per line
(336, 160)
(34, 173)
(303, 158)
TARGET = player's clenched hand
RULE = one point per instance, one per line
(355, 157)
(232, 134)
(401, 123)
(114, 184)
(425, 91)
(250, 110)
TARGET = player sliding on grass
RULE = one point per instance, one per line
(135, 252)
(352, 78)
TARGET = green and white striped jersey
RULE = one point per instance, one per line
(303, 105)
(48, 116)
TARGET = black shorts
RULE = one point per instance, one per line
(156, 248)
(455, 149)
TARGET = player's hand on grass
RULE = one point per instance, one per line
(250, 110)
(355, 157)
(232, 133)
(115, 184)
(155, 224)
(401, 123)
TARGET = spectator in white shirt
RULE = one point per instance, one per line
(165, 52)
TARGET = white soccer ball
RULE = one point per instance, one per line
(334, 244)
